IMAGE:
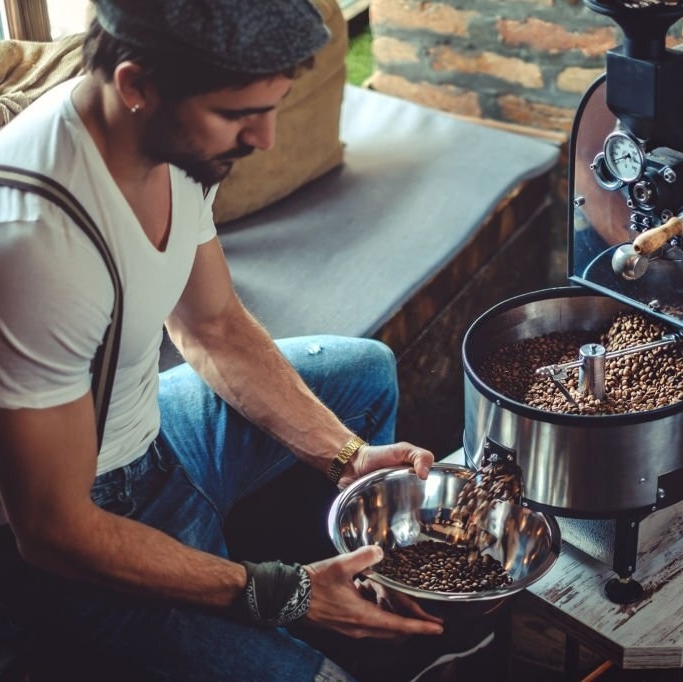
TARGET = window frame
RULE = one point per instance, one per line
(27, 20)
(4, 27)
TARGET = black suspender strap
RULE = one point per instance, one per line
(104, 362)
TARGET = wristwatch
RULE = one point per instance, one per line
(342, 457)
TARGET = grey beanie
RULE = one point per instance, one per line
(247, 36)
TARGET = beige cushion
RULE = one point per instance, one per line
(307, 143)
(28, 69)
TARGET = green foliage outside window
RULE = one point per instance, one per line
(359, 56)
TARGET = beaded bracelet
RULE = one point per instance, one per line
(342, 457)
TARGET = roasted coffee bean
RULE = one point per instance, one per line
(442, 567)
(636, 382)
(459, 564)
(496, 480)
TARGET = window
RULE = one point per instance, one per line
(67, 17)
(27, 19)
(4, 31)
(43, 19)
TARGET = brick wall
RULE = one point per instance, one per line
(525, 62)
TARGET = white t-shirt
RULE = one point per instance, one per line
(56, 295)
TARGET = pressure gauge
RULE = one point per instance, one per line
(624, 156)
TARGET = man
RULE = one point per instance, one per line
(122, 551)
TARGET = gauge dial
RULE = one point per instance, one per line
(624, 156)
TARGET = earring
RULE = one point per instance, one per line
(135, 108)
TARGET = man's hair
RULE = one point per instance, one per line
(174, 75)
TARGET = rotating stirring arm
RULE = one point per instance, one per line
(591, 363)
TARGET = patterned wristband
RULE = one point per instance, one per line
(276, 594)
(297, 605)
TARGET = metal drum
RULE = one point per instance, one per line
(582, 466)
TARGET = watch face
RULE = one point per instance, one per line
(624, 156)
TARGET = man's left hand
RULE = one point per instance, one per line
(372, 457)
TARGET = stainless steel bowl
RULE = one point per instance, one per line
(395, 508)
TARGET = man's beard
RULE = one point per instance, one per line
(210, 171)
(164, 142)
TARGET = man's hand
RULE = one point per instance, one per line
(372, 457)
(337, 604)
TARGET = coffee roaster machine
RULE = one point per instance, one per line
(603, 474)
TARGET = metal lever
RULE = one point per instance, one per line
(564, 391)
(557, 372)
(649, 241)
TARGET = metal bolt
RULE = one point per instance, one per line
(642, 192)
(669, 174)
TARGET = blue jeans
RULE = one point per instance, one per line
(205, 459)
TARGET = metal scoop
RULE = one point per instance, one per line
(628, 263)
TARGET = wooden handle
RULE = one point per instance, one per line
(652, 239)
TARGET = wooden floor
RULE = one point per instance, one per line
(538, 650)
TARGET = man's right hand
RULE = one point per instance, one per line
(337, 604)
